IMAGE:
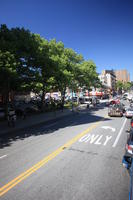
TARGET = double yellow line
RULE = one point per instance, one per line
(41, 163)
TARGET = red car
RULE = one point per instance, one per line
(114, 101)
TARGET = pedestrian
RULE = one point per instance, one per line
(11, 117)
(53, 102)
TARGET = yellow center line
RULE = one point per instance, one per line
(41, 163)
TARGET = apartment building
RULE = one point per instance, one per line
(108, 79)
(122, 75)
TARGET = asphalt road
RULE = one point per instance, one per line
(76, 158)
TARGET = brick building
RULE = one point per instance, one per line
(122, 75)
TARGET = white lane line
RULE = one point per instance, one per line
(119, 134)
(3, 156)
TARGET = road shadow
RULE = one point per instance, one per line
(77, 118)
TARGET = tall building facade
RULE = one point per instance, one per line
(108, 79)
(122, 75)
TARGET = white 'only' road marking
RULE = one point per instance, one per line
(108, 127)
(3, 156)
(119, 134)
(95, 139)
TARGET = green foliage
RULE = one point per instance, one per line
(127, 86)
(119, 84)
(89, 76)
(8, 73)
(123, 86)
(34, 63)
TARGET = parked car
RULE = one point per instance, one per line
(85, 100)
(129, 112)
(105, 96)
(115, 110)
(88, 100)
(127, 158)
(129, 144)
(81, 100)
(74, 99)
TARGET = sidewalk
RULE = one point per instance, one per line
(33, 120)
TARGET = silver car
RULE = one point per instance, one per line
(129, 113)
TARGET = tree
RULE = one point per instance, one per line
(119, 86)
(8, 74)
(44, 66)
(21, 43)
(89, 76)
(126, 86)
(66, 61)
(41, 65)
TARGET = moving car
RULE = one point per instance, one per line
(131, 104)
(116, 110)
(129, 113)
(124, 97)
(112, 102)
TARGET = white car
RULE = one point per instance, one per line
(129, 112)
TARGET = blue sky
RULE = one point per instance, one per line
(101, 30)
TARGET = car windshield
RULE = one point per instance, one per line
(130, 109)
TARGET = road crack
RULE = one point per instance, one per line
(82, 151)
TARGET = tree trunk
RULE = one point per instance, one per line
(7, 91)
(6, 103)
(63, 98)
(43, 97)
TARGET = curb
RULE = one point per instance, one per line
(53, 119)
